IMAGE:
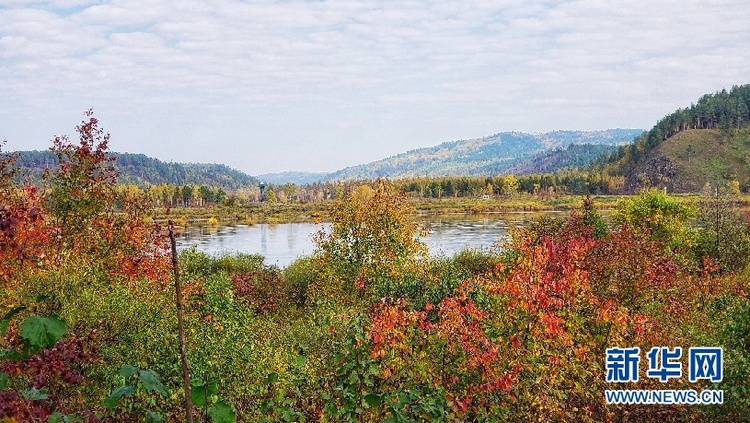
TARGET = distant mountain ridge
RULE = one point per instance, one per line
(142, 170)
(298, 178)
(502, 153)
(493, 155)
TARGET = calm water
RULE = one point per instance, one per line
(281, 243)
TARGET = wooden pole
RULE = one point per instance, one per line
(181, 328)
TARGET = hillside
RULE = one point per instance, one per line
(142, 170)
(297, 178)
(492, 155)
(687, 161)
(706, 142)
(574, 156)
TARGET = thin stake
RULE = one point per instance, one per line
(181, 328)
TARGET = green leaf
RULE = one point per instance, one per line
(202, 392)
(56, 417)
(151, 382)
(153, 417)
(403, 399)
(300, 360)
(114, 397)
(331, 409)
(221, 412)
(5, 321)
(4, 379)
(43, 332)
(373, 400)
(127, 370)
(272, 378)
(34, 394)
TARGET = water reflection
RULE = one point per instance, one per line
(281, 243)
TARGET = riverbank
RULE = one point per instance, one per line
(314, 212)
(221, 215)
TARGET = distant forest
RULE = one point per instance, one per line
(143, 171)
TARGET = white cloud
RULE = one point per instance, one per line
(357, 79)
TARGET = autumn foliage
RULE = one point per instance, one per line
(528, 340)
(368, 328)
(57, 242)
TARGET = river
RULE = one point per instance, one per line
(281, 243)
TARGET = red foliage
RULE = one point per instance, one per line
(57, 371)
(24, 233)
(468, 365)
(263, 290)
(565, 298)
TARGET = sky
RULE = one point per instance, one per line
(274, 85)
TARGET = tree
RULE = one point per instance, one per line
(187, 192)
(289, 191)
(664, 217)
(371, 235)
(271, 197)
(724, 235)
(510, 185)
(89, 227)
(85, 184)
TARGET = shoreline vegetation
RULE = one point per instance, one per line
(222, 215)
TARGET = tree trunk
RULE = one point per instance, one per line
(181, 328)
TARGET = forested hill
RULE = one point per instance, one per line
(142, 170)
(297, 178)
(708, 142)
(574, 156)
(493, 155)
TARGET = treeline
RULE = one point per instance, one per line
(564, 181)
(144, 171)
(188, 195)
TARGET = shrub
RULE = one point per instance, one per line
(663, 217)
(371, 236)
(238, 263)
(299, 275)
(263, 290)
(724, 235)
(472, 262)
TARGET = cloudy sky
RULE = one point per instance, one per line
(274, 85)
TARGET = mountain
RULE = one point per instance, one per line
(708, 142)
(142, 170)
(574, 156)
(297, 178)
(492, 155)
(687, 161)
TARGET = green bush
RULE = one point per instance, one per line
(724, 235)
(663, 217)
(194, 262)
(238, 263)
(474, 262)
(299, 275)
